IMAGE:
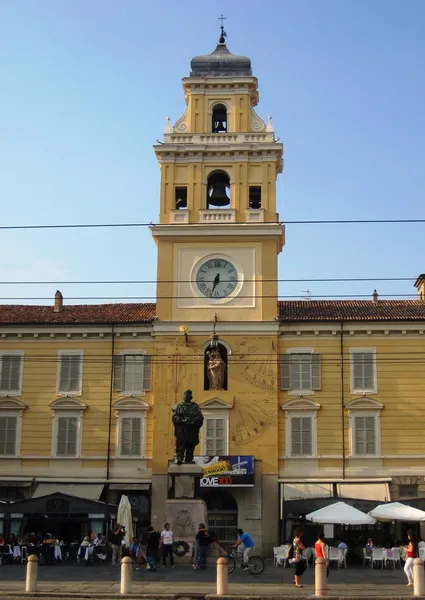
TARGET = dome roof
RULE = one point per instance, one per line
(221, 63)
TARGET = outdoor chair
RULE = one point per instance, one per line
(307, 554)
(366, 558)
(333, 556)
(378, 556)
(342, 558)
(392, 555)
(422, 553)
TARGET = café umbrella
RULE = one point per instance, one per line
(340, 513)
(396, 511)
(125, 519)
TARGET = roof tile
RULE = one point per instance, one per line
(351, 310)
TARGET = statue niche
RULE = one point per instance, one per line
(215, 367)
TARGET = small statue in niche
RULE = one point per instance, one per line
(216, 370)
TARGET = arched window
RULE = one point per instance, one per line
(215, 367)
(219, 119)
(218, 190)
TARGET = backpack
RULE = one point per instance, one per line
(290, 552)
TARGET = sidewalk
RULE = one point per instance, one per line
(104, 581)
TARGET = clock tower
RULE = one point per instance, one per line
(218, 235)
(218, 240)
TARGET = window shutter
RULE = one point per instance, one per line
(70, 365)
(118, 373)
(370, 435)
(306, 435)
(147, 372)
(136, 434)
(359, 435)
(285, 372)
(71, 449)
(62, 435)
(10, 372)
(296, 436)
(316, 380)
(11, 426)
(369, 371)
(358, 371)
(125, 436)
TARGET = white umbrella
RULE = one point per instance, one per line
(340, 514)
(125, 519)
(396, 511)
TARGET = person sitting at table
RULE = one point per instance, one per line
(83, 553)
(369, 547)
(342, 546)
(99, 540)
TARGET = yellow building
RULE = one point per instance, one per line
(320, 399)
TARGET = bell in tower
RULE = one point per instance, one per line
(219, 119)
(218, 190)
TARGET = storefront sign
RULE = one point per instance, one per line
(17, 515)
(96, 516)
(226, 471)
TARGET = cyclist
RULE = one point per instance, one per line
(249, 546)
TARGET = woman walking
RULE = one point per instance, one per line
(320, 550)
(411, 552)
(298, 557)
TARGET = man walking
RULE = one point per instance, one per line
(115, 538)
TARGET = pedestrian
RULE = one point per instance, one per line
(412, 553)
(320, 550)
(298, 556)
(167, 545)
(202, 541)
(152, 548)
(115, 538)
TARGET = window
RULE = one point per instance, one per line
(363, 371)
(180, 198)
(69, 378)
(11, 372)
(67, 426)
(132, 372)
(215, 433)
(408, 490)
(67, 436)
(130, 436)
(300, 371)
(254, 196)
(301, 436)
(8, 435)
(364, 435)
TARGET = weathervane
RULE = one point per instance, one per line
(223, 34)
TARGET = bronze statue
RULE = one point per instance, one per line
(216, 370)
(187, 419)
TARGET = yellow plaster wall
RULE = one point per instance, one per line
(252, 389)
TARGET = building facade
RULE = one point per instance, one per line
(315, 400)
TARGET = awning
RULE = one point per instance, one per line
(134, 487)
(15, 483)
(301, 491)
(88, 491)
(364, 491)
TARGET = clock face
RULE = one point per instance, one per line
(217, 278)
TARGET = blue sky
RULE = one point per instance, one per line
(87, 86)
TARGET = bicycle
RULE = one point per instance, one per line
(255, 563)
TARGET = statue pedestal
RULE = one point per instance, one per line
(184, 512)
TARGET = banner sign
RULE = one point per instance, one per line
(226, 471)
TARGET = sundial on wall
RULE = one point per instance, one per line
(258, 369)
(254, 412)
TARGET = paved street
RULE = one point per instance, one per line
(104, 579)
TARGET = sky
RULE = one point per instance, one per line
(86, 89)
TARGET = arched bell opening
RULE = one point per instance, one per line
(218, 190)
(219, 119)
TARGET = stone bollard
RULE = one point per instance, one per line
(320, 579)
(222, 576)
(32, 574)
(418, 577)
(126, 575)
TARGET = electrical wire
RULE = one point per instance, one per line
(127, 225)
(151, 298)
(161, 281)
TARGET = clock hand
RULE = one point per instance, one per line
(216, 281)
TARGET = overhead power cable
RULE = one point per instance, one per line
(154, 298)
(154, 281)
(301, 222)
